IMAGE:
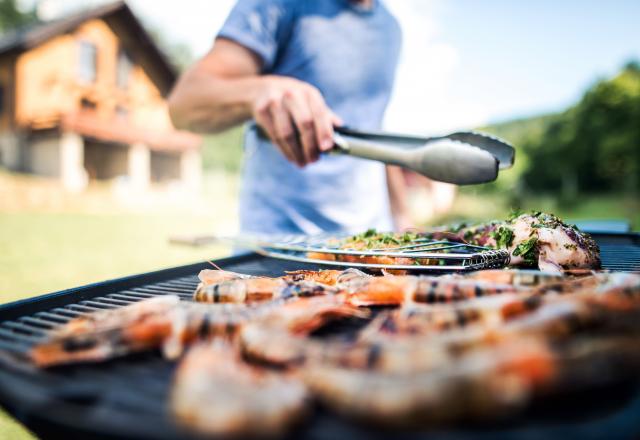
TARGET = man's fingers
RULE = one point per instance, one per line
(305, 125)
(285, 134)
(323, 118)
(336, 120)
(263, 119)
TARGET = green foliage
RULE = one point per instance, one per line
(179, 53)
(594, 146)
(223, 151)
(11, 17)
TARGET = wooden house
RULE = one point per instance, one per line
(83, 97)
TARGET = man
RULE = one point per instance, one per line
(297, 68)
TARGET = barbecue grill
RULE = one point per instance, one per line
(126, 398)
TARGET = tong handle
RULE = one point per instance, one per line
(369, 150)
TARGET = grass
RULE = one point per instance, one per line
(51, 240)
(10, 429)
(45, 252)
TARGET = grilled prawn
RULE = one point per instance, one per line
(259, 289)
(161, 322)
(216, 393)
(419, 337)
(228, 287)
(279, 337)
(395, 290)
(485, 383)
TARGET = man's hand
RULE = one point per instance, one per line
(225, 88)
(295, 117)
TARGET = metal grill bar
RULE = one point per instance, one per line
(38, 322)
(53, 317)
(26, 329)
(450, 256)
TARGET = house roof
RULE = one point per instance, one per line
(124, 23)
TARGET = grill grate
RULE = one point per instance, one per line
(443, 255)
(126, 397)
(625, 257)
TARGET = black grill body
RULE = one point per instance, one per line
(126, 398)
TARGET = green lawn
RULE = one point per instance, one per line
(43, 252)
(10, 429)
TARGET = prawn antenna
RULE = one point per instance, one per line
(214, 265)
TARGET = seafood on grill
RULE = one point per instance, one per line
(162, 322)
(485, 383)
(219, 286)
(418, 336)
(602, 300)
(215, 392)
(277, 337)
(536, 240)
(441, 349)
(396, 290)
(257, 289)
(492, 306)
(372, 239)
(545, 241)
(170, 324)
(108, 333)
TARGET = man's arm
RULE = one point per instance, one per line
(225, 88)
(398, 199)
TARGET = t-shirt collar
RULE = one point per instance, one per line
(362, 9)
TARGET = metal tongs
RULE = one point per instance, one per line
(462, 158)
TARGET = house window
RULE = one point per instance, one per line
(88, 61)
(124, 69)
(87, 104)
(121, 113)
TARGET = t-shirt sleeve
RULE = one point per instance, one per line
(260, 26)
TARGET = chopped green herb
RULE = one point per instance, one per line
(372, 239)
(503, 236)
(514, 214)
(528, 250)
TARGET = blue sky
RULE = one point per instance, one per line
(465, 62)
(537, 56)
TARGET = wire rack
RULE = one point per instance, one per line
(425, 254)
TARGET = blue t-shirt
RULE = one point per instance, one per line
(350, 54)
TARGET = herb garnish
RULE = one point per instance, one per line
(373, 239)
(503, 236)
(528, 250)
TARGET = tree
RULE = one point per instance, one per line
(179, 53)
(594, 146)
(11, 17)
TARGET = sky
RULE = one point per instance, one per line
(465, 63)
